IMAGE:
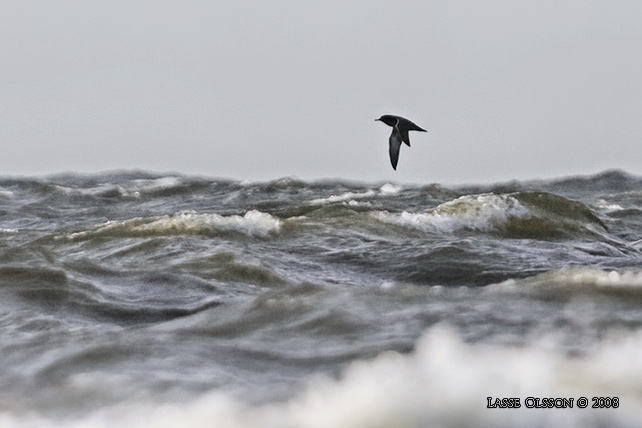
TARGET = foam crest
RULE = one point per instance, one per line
(608, 206)
(386, 189)
(6, 193)
(583, 276)
(158, 184)
(390, 189)
(253, 223)
(101, 190)
(477, 212)
(344, 197)
(134, 188)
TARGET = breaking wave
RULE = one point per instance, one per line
(536, 215)
(579, 278)
(253, 223)
(350, 197)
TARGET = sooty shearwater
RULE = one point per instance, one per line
(400, 128)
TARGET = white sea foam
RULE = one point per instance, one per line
(443, 383)
(344, 197)
(253, 223)
(135, 189)
(609, 207)
(587, 276)
(282, 182)
(478, 212)
(349, 197)
(99, 190)
(154, 185)
(390, 189)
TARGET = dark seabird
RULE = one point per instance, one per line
(400, 128)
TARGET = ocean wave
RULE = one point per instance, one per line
(536, 215)
(583, 277)
(252, 223)
(162, 183)
(227, 268)
(443, 382)
(608, 207)
(279, 184)
(476, 212)
(135, 188)
(170, 186)
(344, 197)
(35, 284)
(386, 189)
(607, 181)
(101, 190)
(390, 189)
(6, 193)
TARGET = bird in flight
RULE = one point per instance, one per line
(400, 128)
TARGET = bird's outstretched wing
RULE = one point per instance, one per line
(395, 144)
(405, 125)
(403, 131)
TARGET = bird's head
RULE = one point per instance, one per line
(388, 119)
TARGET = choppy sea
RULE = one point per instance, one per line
(161, 300)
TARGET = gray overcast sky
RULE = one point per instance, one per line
(265, 89)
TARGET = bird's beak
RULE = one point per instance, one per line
(377, 119)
